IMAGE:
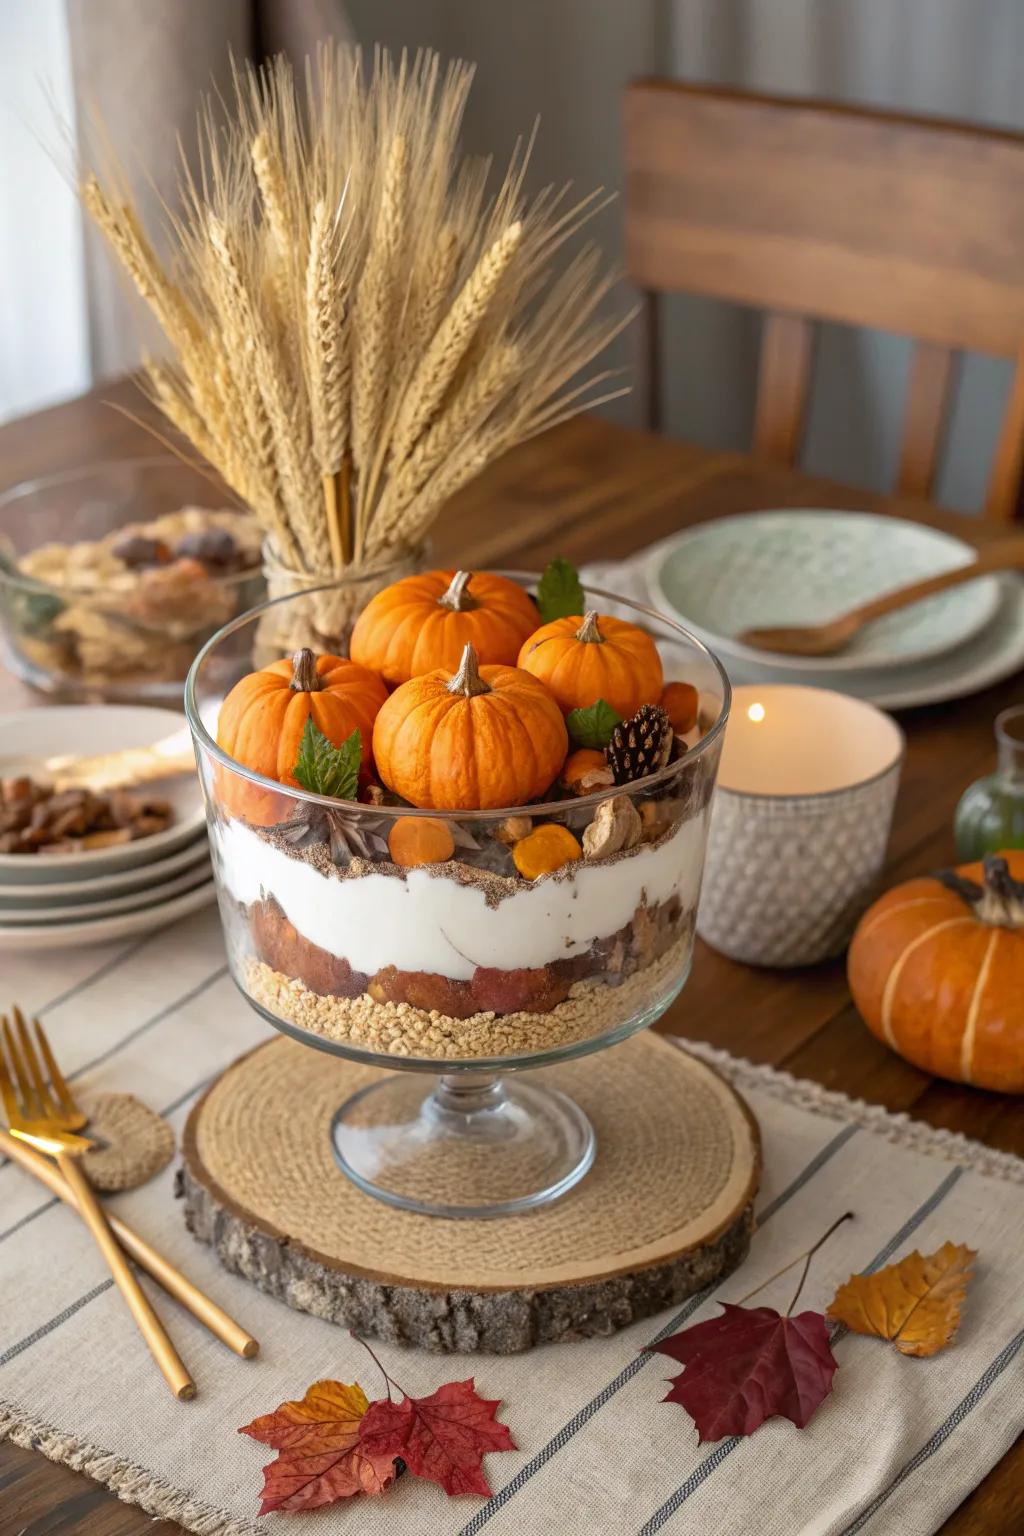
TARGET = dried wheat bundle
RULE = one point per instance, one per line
(356, 328)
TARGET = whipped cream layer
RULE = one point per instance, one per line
(419, 921)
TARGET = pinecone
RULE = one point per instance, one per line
(640, 746)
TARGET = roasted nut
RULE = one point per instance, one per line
(615, 826)
(597, 778)
(657, 817)
(47, 821)
(213, 547)
(650, 818)
(16, 789)
(137, 551)
(513, 829)
(111, 837)
(586, 770)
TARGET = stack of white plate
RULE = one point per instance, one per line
(54, 900)
(805, 567)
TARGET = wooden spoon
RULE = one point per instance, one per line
(834, 636)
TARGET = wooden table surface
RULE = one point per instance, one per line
(589, 491)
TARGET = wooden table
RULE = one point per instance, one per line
(589, 491)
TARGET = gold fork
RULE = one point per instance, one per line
(47, 1118)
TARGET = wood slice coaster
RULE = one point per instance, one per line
(665, 1211)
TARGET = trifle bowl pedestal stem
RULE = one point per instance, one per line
(469, 1144)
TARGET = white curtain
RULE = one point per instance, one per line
(44, 339)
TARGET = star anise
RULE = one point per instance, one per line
(350, 834)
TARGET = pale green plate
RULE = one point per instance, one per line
(804, 567)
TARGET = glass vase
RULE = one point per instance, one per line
(990, 816)
(323, 616)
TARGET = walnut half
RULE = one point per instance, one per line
(616, 826)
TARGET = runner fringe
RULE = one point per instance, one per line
(131, 1483)
(897, 1127)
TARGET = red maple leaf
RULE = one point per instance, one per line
(322, 1455)
(442, 1437)
(748, 1365)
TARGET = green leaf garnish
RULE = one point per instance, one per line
(324, 769)
(593, 726)
(559, 593)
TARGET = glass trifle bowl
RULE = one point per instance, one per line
(463, 975)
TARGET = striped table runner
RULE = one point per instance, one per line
(894, 1449)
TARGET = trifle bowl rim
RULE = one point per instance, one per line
(496, 813)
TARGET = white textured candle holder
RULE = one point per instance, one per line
(788, 874)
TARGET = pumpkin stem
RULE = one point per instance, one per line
(588, 631)
(467, 679)
(997, 901)
(305, 678)
(458, 597)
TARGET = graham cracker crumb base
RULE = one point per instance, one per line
(592, 1008)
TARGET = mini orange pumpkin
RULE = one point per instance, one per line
(595, 657)
(263, 717)
(425, 622)
(936, 969)
(487, 737)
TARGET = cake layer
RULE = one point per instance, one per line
(644, 939)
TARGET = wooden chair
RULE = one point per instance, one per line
(817, 212)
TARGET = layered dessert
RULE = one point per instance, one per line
(432, 901)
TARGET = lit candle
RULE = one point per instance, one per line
(800, 823)
(784, 740)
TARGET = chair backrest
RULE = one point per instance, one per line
(812, 211)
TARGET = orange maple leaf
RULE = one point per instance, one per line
(322, 1457)
(915, 1303)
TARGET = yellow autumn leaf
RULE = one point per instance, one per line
(915, 1303)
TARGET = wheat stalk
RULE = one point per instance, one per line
(462, 466)
(327, 355)
(358, 324)
(445, 352)
(328, 370)
(244, 348)
(120, 227)
(374, 313)
(484, 386)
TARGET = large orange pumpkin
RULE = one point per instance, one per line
(936, 968)
(595, 657)
(263, 717)
(487, 737)
(425, 622)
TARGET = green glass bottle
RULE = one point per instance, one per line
(990, 815)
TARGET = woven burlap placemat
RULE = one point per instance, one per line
(665, 1209)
